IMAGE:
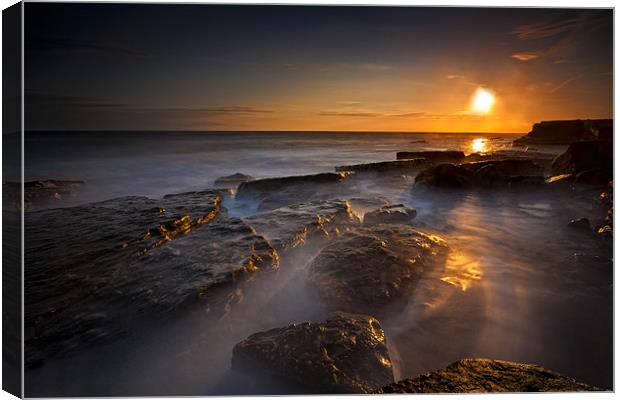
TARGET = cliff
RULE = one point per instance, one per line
(565, 132)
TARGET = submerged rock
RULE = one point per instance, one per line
(393, 214)
(583, 156)
(537, 181)
(580, 223)
(371, 268)
(434, 156)
(94, 269)
(232, 181)
(446, 176)
(291, 226)
(384, 166)
(484, 375)
(345, 354)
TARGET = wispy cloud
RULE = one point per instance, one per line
(48, 44)
(546, 29)
(563, 84)
(455, 77)
(350, 114)
(525, 56)
(371, 67)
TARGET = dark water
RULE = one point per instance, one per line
(518, 285)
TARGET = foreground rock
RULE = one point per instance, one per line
(508, 167)
(292, 226)
(484, 375)
(565, 132)
(446, 176)
(232, 181)
(131, 257)
(433, 156)
(393, 214)
(345, 354)
(260, 187)
(594, 155)
(384, 166)
(371, 268)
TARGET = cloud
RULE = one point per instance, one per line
(546, 29)
(371, 67)
(349, 103)
(46, 44)
(525, 56)
(563, 84)
(372, 114)
(455, 77)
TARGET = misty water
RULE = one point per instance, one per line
(518, 284)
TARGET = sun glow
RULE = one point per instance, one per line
(478, 145)
(482, 101)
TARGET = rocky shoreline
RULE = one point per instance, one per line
(95, 270)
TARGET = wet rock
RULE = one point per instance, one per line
(606, 231)
(384, 166)
(583, 156)
(528, 181)
(232, 181)
(95, 269)
(580, 223)
(508, 167)
(261, 187)
(565, 132)
(368, 204)
(484, 375)
(291, 226)
(490, 176)
(560, 181)
(446, 176)
(371, 268)
(434, 156)
(345, 354)
(393, 214)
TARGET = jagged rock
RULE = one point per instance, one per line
(232, 181)
(393, 214)
(92, 269)
(384, 166)
(565, 132)
(345, 354)
(583, 156)
(262, 187)
(580, 223)
(484, 375)
(291, 226)
(371, 268)
(508, 167)
(606, 231)
(368, 204)
(434, 156)
(447, 176)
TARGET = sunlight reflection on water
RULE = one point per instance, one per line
(462, 270)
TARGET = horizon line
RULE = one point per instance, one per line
(255, 131)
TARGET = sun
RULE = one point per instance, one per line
(482, 101)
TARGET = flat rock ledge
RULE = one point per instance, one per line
(488, 376)
(346, 354)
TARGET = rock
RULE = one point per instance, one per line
(371, 268)
(232, 181)
(41, 193)
(346, 354)
(394, 214)
(384, 166)
(583, 156)
(564, 180)
(592, 177)
(434, 156)
(94, 269)
(606, 231)
(484, 375)
(580, 223)
(262, 187)
(291, 226)
(508, 167)
(529, 181)
(446, 176)
(565, 132)
(490, 176)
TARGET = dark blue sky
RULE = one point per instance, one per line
(138, 66)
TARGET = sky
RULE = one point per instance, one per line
(310, 68)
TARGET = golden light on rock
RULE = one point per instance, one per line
(482, 101)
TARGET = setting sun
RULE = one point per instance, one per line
(482, 101)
